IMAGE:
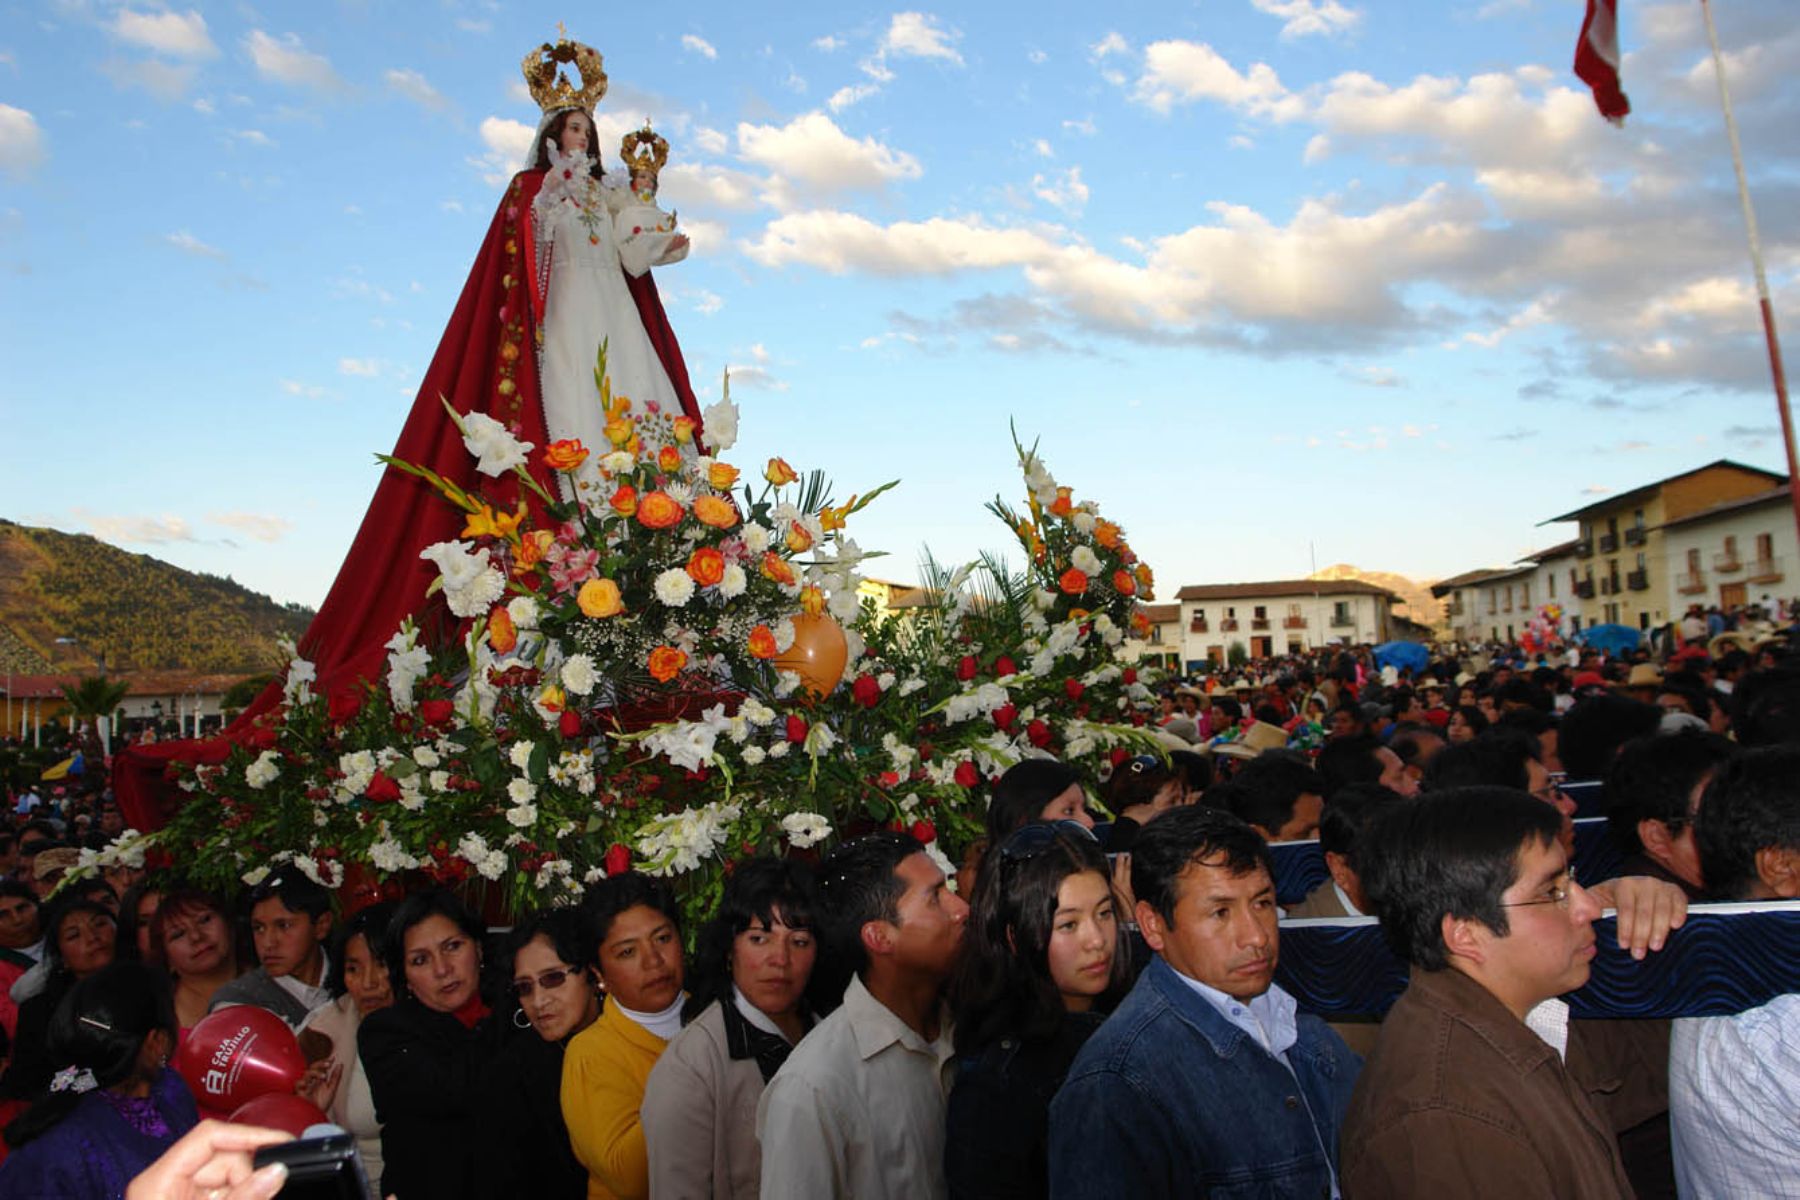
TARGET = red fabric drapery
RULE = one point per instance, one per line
(486, 362)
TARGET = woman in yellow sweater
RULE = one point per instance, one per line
(632, 921)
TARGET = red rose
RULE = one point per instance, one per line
(1005, 715)
(1003, 666)
(262, 737)
(1039, 734)
(965, 668)
(924, 832)
(618, 860)
(343, 706)
(382, 789)
(865, 691)
(1128, 676)
(1118, 755)
(1138, 718)
(569, 723)
(796, 729)
(1074, 687)
(966, 775)
(437, 712)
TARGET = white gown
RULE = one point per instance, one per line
(586, 301)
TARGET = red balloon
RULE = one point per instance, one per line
(278, 1110)
(237, 1054)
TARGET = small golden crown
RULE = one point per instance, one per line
(551, 88)
(644, 152)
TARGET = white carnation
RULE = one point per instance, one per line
(521, 791)
(756, 539)
(264, 771)
(524, 612)
(734, 582)
(471, 582)
(522, 815)
(674, 587)
(578, 674)
(1084, 560)
(358, 768)
(426, 757)
(754, 755)
(616, 462)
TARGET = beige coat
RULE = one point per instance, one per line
(700, 1098)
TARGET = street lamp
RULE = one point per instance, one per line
(99, 656)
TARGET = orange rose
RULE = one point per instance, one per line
(812, 600)
(620, 431)
(658, 510)
(1073, 582)
(600, 598)
(1140, 622)
(502, 634)
(668, 460)
(684, 429)
(1145, 579)
(715, 511)
(762, 642)
(533, 544)
(1106, 533)
(775, 567)
(565, 455)
(779, 473)
(625, 500)
(798, 538)
(666, 663)
(722, 476)
(1063, 505)
(1123, 583)
(706, 566)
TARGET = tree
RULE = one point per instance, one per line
(1236, 654)
(92, 700)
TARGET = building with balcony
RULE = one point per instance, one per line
(1624, 571)
(1731, 553)
(1285, 616)
(1497, 603)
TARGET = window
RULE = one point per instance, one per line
(1230, 612)
(1731, 548)
(1637, 519)
(1643, 564)
(1340, 610)
(1765, 547)
(1525, 594)
(1199, 614)
(1694, 561)
(1293, 610)
(1261, 612)
(1550, 584)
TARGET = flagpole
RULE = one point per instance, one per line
(1762, 279)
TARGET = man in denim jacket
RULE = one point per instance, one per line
(1204, 1082)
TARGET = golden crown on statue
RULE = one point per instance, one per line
(551, 88)
(644, 152)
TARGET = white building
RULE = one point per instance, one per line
(1735, 552)
(1283, 616)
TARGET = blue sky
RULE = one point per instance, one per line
(1271, 279)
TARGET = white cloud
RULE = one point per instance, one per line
(706, 303)
(1042, 148)
(1085, 127)
(1036, 57)
(1180, 72)
(415, 87)
(253, 137)
(309, 391)
(286, 60)
(164, 80)
(22, 147)
(1318, 147)
(1066, 191)
(707, 186)
(1113, 43)
(698, 45)
(137, 530)
(711, 141)
(1381, 377)
(751, 377)
(181, 35)
(849, 94)
(918, 35)
(187, 243)
(363, 368)
(264, 527)
(839, 242)
(506, 143)
(811, 154)
(1302, 18)
(829, 43)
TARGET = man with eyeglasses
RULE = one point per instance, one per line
(1467, 1091)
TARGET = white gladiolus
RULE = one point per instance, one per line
(264, 771)
(497, 450)
(520, 754)
(720, 420)
(471, 582)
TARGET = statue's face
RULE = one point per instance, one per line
(643, 181)
(577, 133)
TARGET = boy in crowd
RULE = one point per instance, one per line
(290, 918)
(858, 1108)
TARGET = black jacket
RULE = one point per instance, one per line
(525, 1148)
(428, 1075)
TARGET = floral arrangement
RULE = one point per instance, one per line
(635, 685)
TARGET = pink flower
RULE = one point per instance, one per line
(572, 568)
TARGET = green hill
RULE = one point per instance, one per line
(140, 612)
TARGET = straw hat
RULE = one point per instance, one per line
(1644, 675)
(1258, 737)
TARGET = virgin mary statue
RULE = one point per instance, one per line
(554, 278)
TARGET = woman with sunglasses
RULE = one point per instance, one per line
(1041, 963)
(635, 931)
(529, 1152)
(337, 1083)
(747, 1010)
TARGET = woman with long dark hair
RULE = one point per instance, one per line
(80, 939)
(361, 987)
(528, 1151)
(428, 1054)
(1041, 962)
(747, 1009)
(635, 930)
(191, 935)
(114, 1106)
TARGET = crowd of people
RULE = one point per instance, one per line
(1088, 1009)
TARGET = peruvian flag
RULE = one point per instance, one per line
(1597, 59)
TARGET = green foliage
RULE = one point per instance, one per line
(93, 697)
(1236, 654)
(140, 613)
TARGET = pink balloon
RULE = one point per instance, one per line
(278, 1110)
(237, 1054)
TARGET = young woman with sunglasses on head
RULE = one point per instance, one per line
(1041, 962)
(528, 1150)
(746, 1011)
